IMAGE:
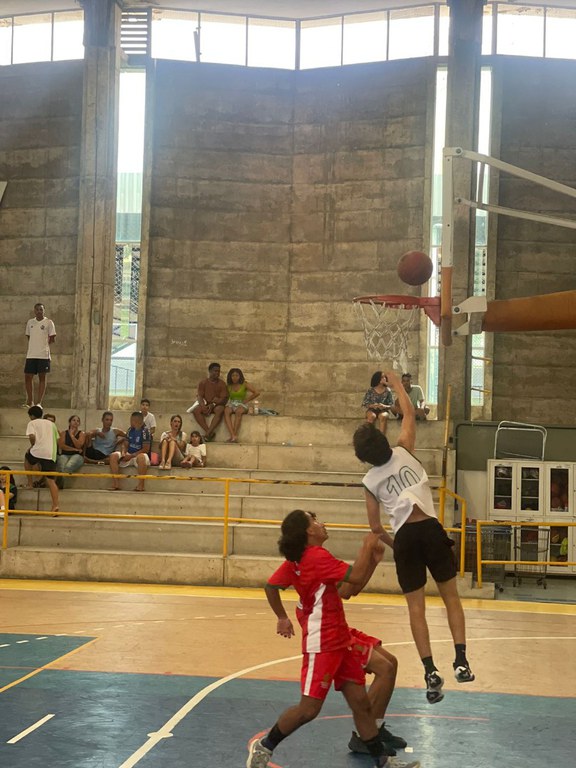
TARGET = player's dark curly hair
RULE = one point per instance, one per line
(294, 538)
(371, 446)
(376, 379)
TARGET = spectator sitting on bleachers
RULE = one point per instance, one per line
(416, 396)
(100, 443)
(11, 497)
(172, 444)
(149, 418)
(134, 452)
(240, 393)
(195, 452)
(71, 446)
(211, 399)
(378, 401)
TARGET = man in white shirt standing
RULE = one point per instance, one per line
(399, 482)
(41, 333)
(43, 436)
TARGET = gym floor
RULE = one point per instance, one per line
(114, 676)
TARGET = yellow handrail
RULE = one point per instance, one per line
(226, 519)
(463, 509)
(524, 523)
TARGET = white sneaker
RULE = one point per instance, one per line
(258, 756)
(394, 762)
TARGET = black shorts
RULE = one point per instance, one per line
(422, 545)
(36, 365)
(92, 453)
(46, 465)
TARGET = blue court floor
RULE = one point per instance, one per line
(101, 719)
(118, 677)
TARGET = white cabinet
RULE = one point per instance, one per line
(525, 491)
(516, 490)
(559, 490)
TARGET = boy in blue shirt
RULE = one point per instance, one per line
(134, 452)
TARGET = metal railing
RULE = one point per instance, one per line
(226, 519)
(524, 524)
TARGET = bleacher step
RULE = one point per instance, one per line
(169, 568)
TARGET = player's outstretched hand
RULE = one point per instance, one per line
(378, 552)
(372, 540)
(394, 381)
(284, 627)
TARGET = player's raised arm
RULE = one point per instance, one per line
(407, 436)
(346, 590)
(374, 521)
(363, 568)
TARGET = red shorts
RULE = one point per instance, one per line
(362, 645)
(320, 670)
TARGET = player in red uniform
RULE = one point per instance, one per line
(326, 638)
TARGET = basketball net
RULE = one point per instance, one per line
(386, 329)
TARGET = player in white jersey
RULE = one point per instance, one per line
(399, 482)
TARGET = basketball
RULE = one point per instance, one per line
(414, 268)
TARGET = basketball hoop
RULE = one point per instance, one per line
(387, 320)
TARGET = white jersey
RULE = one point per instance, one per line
(46, 442)
(38, 332)
(398, 485)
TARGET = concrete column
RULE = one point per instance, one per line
(97, 222)
(461, 131)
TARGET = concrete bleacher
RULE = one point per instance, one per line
(273, 449)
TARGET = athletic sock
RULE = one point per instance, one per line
(460, 660)
(429, 665)
(273, 738)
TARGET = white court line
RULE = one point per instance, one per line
(166, 731)
(45, 637)
(19, 642)
(5, 645)
(29, 730)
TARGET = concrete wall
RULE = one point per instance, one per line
(277, 197)
(40, 129)
(534, 373)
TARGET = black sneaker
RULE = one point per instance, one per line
(434, 683)
(357, 745)
(396, 742)
(463, 673)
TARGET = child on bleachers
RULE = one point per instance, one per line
(11, 497)
(195, 455)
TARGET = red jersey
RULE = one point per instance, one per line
(320, 611)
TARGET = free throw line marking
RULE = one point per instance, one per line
(33, 727)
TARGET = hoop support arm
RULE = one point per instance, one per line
(569, 223)
(514, 170)
(547, 312)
